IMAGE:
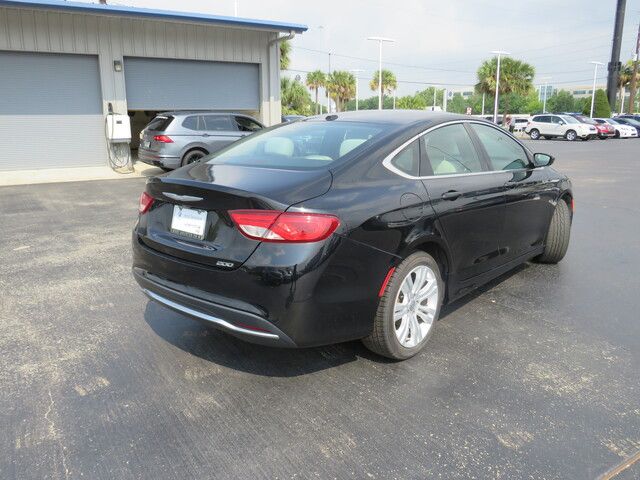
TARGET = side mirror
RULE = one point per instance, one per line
(561, 122)
(542, 159)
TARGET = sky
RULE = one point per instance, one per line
(439, 42)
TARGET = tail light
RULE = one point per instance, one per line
(162, 139)
(145, 202)
(288, 227)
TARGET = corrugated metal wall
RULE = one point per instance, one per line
(113, 38)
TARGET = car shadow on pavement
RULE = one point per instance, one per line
(226, 350)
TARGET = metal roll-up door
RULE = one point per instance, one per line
(50, 111)
(163, 84)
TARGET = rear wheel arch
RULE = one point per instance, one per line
(190, 150)
(438, 251)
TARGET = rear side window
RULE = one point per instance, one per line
(504, 153)
(191, 122)
(299, 145)
(159, 124)
(247, 124)
(408, 159)
(449, 150)
(215, 123)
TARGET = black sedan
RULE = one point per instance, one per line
(358, 225)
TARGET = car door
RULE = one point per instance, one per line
(530, 194)
(218, 131)
(468, 200)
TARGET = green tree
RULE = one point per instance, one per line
(285, 54)
(316, 80)
(427, 95)
(410, 102)
(389, 82)
(457, 104)
(516, 77)
(342, 87)
(601, 108)
(294, 97)
(561, 101)
(533, 104)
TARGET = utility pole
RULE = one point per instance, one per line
(499, 53)
(356, 71)
(380, 41)
(593, 89)
(327, 88)
(614, 64)
(633, 86)
(483, 104)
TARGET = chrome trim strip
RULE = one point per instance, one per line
(388, 165)
(208, 318)
(182, 198)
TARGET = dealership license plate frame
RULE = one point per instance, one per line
(188, 222)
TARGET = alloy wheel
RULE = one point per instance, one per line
(415, 306)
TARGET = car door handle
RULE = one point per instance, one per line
(451, 195)
(206, 135)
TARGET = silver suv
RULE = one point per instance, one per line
(174, 139)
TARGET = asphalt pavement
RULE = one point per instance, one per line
(535, 376)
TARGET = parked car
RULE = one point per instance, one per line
(357, 225)
(175, 139)
(621, 130)
(631, 116)
(551, 125)
(630, 122)
(604, 130)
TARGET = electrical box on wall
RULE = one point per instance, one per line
(118, 128)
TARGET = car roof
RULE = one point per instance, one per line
(393, 117)
(175, 113)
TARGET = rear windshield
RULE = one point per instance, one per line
(159, 124)
(300, 145)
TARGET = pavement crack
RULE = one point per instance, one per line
(53, 432)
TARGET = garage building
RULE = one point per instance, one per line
(64, 65)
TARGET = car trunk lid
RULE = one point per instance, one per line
(189, 217)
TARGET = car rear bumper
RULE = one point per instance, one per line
(235, 321)
(300, 296)
(158, 160)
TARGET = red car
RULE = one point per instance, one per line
(604, 129)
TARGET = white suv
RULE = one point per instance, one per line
(549, 126)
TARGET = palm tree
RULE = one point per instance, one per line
(515, 77)
(342, 87)
(285, 51)
(316, 80)
(295, 99)
(624, 79)
(389, 82)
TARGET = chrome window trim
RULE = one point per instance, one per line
(209, 318)
(389, 166)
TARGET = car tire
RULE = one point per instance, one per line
(534, 134)
(617, 134)
(402, 338)
(571, 135)
(558, 235)
(192, 156)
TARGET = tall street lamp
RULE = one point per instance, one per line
(380, 41)
(593, 90)
(499, 53)
(356, 71)
(544, 99)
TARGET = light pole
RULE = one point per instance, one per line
(380, 41)
(483, 104)
(327, 88)
(499, 53)
(356, 71)
(593, 90)
(435, 92)
(544, 100)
